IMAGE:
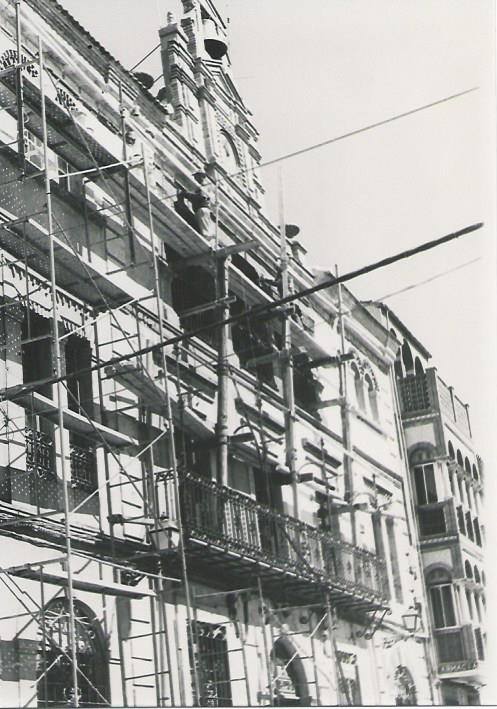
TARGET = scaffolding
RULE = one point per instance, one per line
(145, 387)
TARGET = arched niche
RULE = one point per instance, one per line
(290, 684)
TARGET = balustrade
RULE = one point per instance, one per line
(222, 516)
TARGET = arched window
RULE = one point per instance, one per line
(441, 597)
(407, 358)
(451, 482)
(359, 387)
(405, 689)
(468, 571)
(469, 527)
(477, 576)
(289, 680)
(372, 397)
(477, 531)
(55, 685)
(418, 367)
(459, 458)
(475, 472)
(451, 451)
(467, 466)
(229, 153)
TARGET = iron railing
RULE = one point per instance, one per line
(226, 517)
(414, 393)
(83, 467)
(40, 457)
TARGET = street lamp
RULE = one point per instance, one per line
(410, 620)
(165, 535)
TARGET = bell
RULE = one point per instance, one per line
(215, 46)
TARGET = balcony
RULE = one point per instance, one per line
(233, 537)
(414, 394)
(40, 456)
(437, 519)
(456, 649)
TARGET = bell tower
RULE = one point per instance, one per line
(207, 106)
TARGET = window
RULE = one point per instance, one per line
(468, 571)
(65, 180)
(407, 358)
(451, 451)
(79, 381)
(210, 655)
(477, 531)
(359, 388)
(460, 520)
(229, 154)
(424, 481)
(372, 396)
(459, 459)
(54, 670)
(36, 351)
(469, 526)
(442, 605)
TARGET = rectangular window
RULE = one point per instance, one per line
(36, 351)
(424, 481)
(442, 604)
(209, 655)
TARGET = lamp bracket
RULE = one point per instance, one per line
(375, 619)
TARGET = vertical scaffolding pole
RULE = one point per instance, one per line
(288, 389)
(58, 374)
(170, 424)
(264, 639)
(345, 415)
(127, 186)
(223, 374)
(20, 89)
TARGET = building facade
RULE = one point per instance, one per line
(448, 479)
(191, 514)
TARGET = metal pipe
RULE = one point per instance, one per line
(170, 424)
(345, 416)
(264, 638)
(20, 91)
(288, 388)
(222, 428)
(58, 372)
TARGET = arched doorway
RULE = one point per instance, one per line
(55, 686)
(290, 687)
(405, 689)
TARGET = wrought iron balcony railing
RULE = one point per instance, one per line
(414, 394)
(225, 517)
(456, 649)
(40, 457)
(83, 467)
(437, 519)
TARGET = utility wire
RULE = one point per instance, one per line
(267, 307)
(145, 57)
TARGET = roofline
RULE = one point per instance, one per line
(400, 325)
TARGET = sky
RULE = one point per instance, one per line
(314, 70)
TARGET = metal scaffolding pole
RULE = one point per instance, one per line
(58, 372)
(288, 388)
(170, 424)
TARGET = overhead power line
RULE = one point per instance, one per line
(263, 308)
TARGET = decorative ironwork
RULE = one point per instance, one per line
(414, 394)
(83, 467)
(40, 458)
(54, 660)
(210, 655)
(220, 515)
